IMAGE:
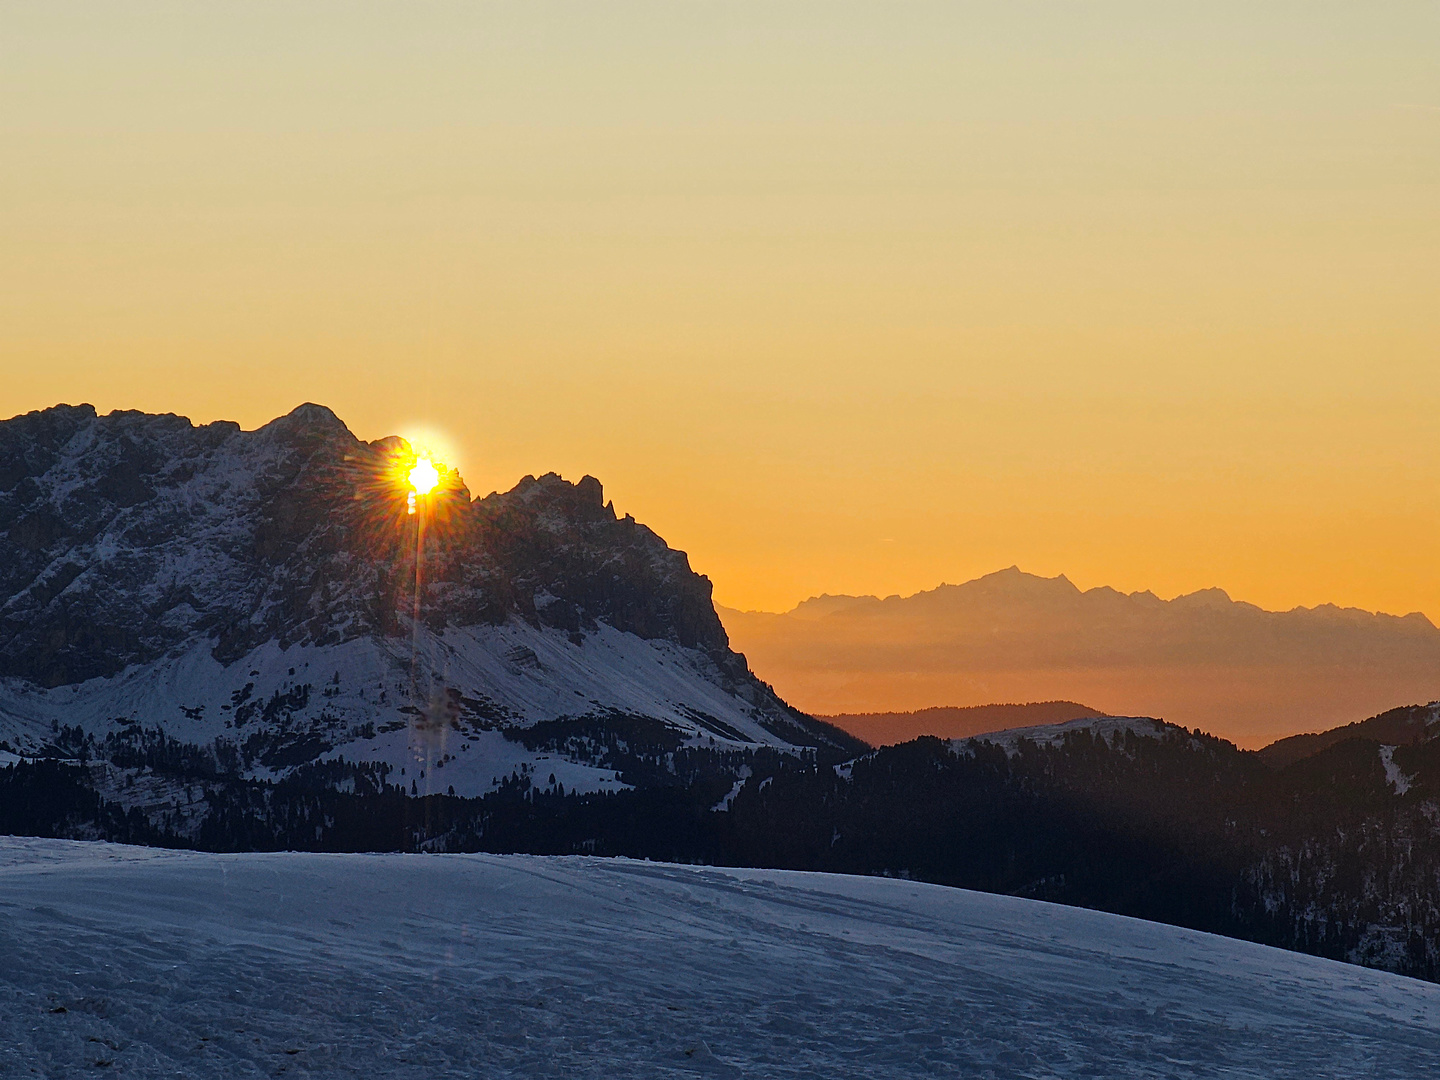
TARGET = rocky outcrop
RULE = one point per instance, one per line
(566, 560)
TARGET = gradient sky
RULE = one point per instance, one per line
(836, 297)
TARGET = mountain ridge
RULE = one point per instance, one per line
(1212, 596)
(1408, 725)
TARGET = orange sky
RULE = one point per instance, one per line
(837, 298)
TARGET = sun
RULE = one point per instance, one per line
(423, 476)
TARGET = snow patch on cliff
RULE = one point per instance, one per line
(1393, 776)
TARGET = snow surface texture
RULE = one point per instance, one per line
(183, 964)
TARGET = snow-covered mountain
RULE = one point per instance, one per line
(256, 593)
(154, 963)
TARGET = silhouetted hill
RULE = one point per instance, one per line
(1406, 726)
(955, 722)
(1200, 660)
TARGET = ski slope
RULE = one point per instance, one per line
(154, 963)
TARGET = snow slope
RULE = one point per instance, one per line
(516, 673)
(183, 964)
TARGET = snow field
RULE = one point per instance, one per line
(151, 963)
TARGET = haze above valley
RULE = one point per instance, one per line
(1201, 659)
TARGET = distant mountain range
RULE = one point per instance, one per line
(1201, 660)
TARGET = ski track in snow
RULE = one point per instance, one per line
(199, 965)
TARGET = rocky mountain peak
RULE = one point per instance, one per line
(576, 562)
(126, 536)
(309, 421)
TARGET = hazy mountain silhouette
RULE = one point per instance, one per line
(957, 722)
(1201, 660)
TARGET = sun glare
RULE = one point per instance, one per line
(423, 476)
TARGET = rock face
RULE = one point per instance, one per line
(122, 537)
(129, 541)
